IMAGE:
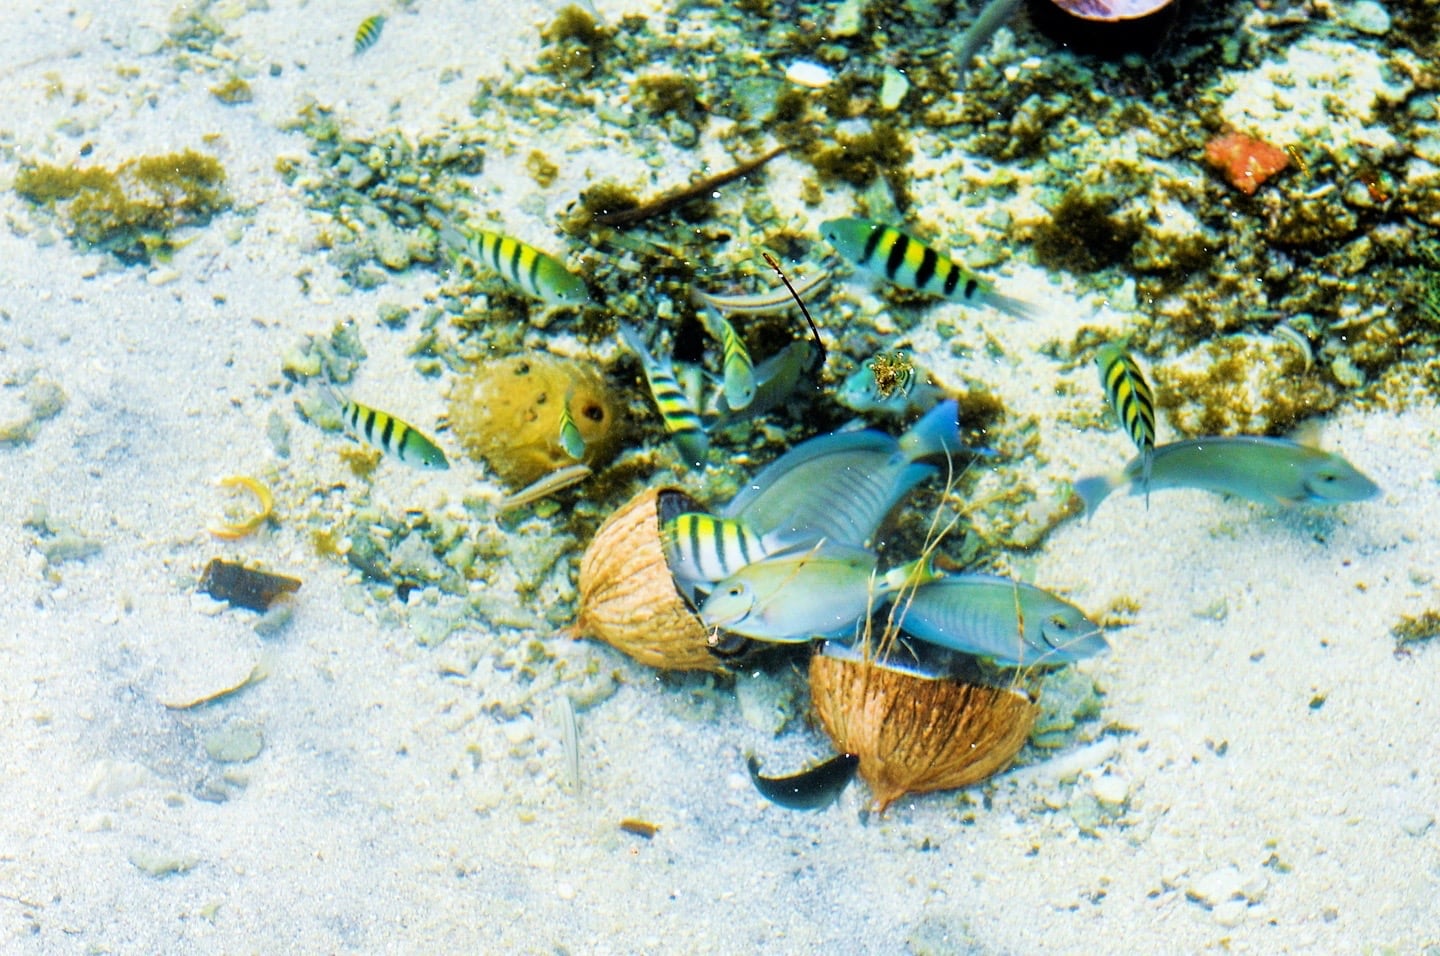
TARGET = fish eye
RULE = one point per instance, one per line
(594, 412)
(1058, 622)
(735, 590)
(1328, 476)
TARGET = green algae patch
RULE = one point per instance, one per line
(132, 210)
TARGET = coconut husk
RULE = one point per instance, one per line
(915, 734)
(628, 597)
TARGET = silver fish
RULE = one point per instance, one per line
(1013, 624)
(840, 486)
(1259, 469)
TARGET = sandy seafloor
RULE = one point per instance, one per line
(1281, 758)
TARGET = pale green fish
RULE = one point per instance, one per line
(888, 384)
(739, 371)
(840, 486)
(534, 272)
(570, 438)
(906, 261)
(798, 596)
(703, 548)
(679, 414)
(1264, 470)
(793, 598)
(1132, 400)
(1010, 623)
(393, 436)
(776, 379)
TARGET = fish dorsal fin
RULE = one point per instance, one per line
(1307, 433)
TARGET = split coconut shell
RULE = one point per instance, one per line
(916, 734)
(628, 597)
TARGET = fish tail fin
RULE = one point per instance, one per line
(1011, 305)
(1147, 458)
(1095, 489)
(935, 434)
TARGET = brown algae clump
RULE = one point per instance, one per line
(133, 209)
(507, 413)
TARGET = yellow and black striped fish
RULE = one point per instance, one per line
(529, 269)
(905, 260)
(1130, 396)
(393, 436)
(738, 369)
(368, 33)
(681, 418)
(702, 548)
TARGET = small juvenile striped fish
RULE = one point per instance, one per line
(532, 271)
(1130, 396)
(680, 417)
(570, 438)
(739, 370)
(393, 436)
(906, 261)
(368, 33)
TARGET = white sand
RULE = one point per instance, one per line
(392, 810)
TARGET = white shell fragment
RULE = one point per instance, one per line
(813, 75)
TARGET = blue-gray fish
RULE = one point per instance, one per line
(840, 486)
(680, 416)
(1253, 467)
(906, 261)
(1132, 400)
(1013, 624)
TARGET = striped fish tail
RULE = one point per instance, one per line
(570, 438)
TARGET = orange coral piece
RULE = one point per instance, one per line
(1246, 161)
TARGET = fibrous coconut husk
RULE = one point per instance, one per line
(916, 734)
(628, 597)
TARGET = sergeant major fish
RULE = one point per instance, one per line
(1256, 468)
(681, 418)
(391, 435)
(702, 548)
(737, 368)
(1132, 400)
(906, 261)
(534, 272)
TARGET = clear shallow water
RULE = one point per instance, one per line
(1257, 726)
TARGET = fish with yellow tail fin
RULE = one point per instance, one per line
(906, 261)
(1133, 402)
(1253, 467)
(534, 272)
(681, 418)
(738, 369)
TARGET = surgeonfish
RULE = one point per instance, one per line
(702, 548)
(367, 34)
(906, 261)
(790, 599)
(797, 596)
(527, 268)
(888, 384)
(392, 436)
(1253, 467)
(570, 438)
(681, 418)
(1012, 624)
(813, 789)
(1132, 400)
(738, 369)
(840, 486)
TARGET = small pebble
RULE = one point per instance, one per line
(1230, 914)
(235, 742)
(1111, 791)
(1415, 824)
(566, 891)
(805, 73)
(1216, 887)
